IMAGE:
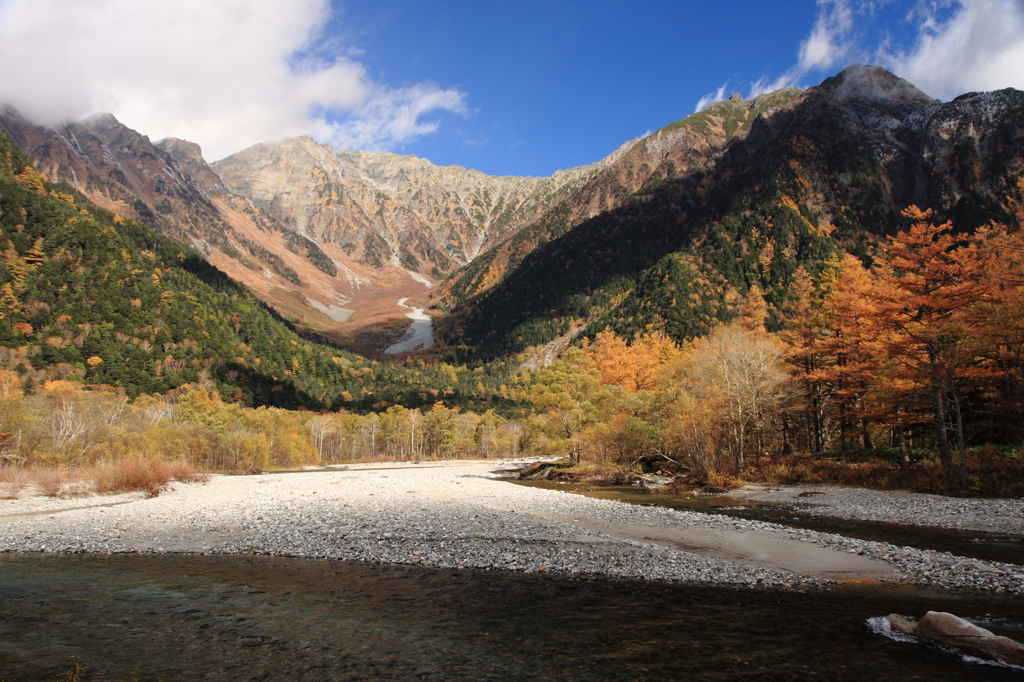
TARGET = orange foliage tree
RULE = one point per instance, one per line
(930, 284)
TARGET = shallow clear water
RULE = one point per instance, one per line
(987, 546)
(147, 618)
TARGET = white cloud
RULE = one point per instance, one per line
(224, 74)
(832, 41)
(980, 47)
(969, 45)
(712, 97)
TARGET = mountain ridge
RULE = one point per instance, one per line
(829, 170)
(384, 208)
(309, 228)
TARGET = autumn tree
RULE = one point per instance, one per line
(567, 391)
(930, 280)
(805, 327)
(746, 371)
(633, 366)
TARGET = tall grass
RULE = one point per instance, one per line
(12, 481)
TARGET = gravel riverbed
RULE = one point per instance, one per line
(977, 514)
(450, 515)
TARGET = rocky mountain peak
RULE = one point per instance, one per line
(182, 150)
(383, 208)
(875, 83)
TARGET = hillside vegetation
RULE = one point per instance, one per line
(89, 296)
(822, 173)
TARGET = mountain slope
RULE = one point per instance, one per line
(382, 208)
(88, 295)
(829, 170)
(170, 187)
(675, 151)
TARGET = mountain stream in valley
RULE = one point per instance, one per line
(967, 543)
(420, 333)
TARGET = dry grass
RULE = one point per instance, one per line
(59, 482)
(12, 481)
(184, 472)
(148, 475)
(723, 481)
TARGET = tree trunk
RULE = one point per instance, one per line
(901, 440)
(739, 458)
(844, 428)
(941, 428)
(958, 424)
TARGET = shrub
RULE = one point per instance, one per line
(58, 482)
(12, 481)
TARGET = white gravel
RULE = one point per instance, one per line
(441, 514)
(978, 514)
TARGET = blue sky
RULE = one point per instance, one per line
(550, 85)
(507, 88)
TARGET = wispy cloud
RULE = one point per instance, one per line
(712, 97)
(955, 46)
(225, 74)
(831, 42)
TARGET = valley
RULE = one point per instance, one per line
(734, 298)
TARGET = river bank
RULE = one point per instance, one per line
(457, 515)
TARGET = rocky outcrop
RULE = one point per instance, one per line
(384, 208)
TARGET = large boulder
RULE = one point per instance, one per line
(946, 628)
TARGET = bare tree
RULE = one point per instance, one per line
(320, 428)
(70, 426)
(745, 370)
(371, 427)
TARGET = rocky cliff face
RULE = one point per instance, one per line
(383, 208)
(170, 187)
(681, 149)
(741, 194)
(118, 169)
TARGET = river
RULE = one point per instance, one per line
(968, 543)
(420, 333)
(217, 618)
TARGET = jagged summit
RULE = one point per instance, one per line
(181, 149)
